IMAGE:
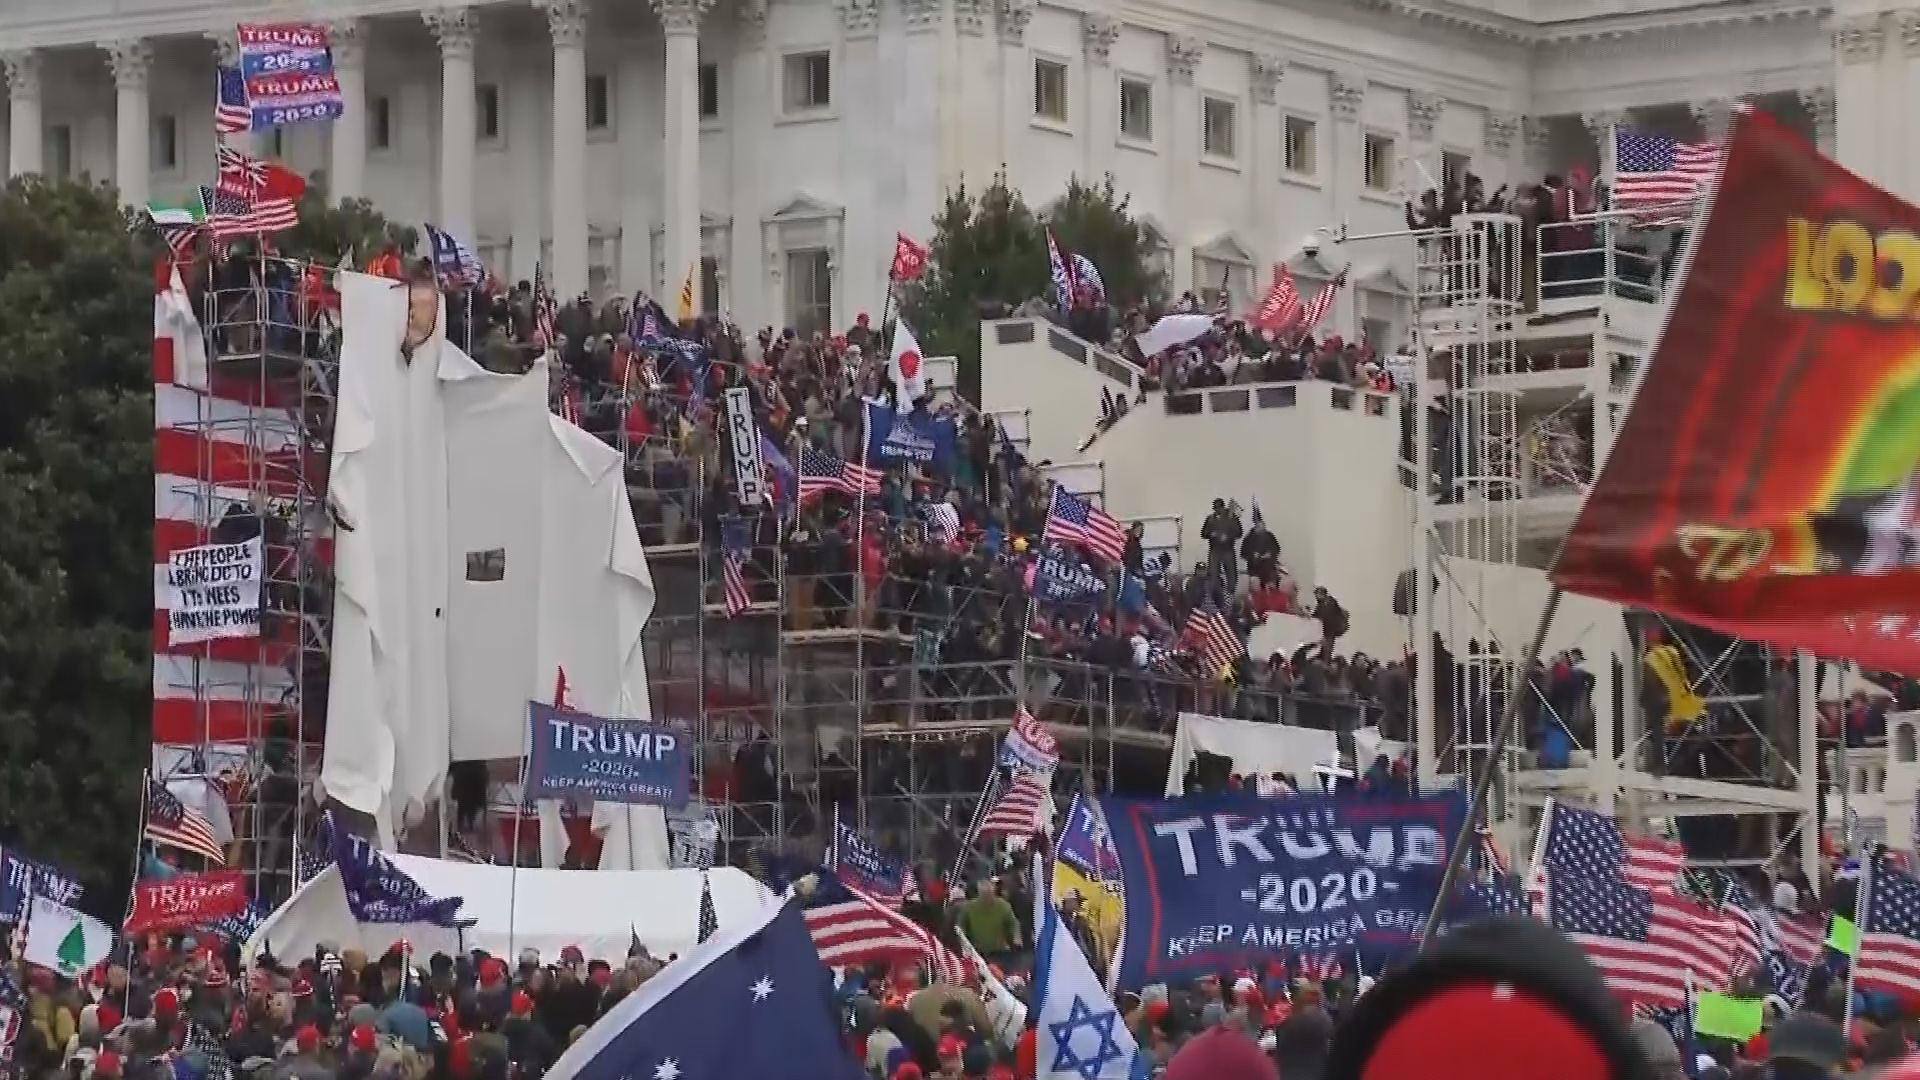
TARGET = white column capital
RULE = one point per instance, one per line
(859, 18)
(226, 48)
(750, 16)
(922, 15)
(1183, 57)
(23, 73)
(567, 22)
(453, 28)
(1015, 15)
(348, 39)
(1715, 116)
(970, 16)
(1098, 33)
(1822, 107)
(1500, 131)
(1858, 38)
(1349, 94)
(1423, 115)
(681, 16)
(1269, 69)
(1600, 121)
(1538, 132)
(1909, 23)
(131, 62)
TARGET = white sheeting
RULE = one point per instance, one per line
(1253, 747)
(541, 909)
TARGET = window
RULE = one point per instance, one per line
(809, 291)
(709, 285)
(1454, 169)
(486, 111)
(1377, 169)
(60, 150)
(1136, 110)
(1302, 138)
(1378, 334)
(277, 146)
(599, 104)
(808, 82)
(1216, 128)
(1050, 90)
(165, 155)
(380, 123)
(709, 91)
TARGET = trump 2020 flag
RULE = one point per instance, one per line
(762, 974)
(1080, 1033)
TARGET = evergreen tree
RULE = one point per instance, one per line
(1098, 222)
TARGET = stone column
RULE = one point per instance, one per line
(26, 139)
(860, 85)
(226, 52)
(1347, 161)
(754, 81)
(1901, 132)
(972, 120)
(1016, 84)
(1102, 94)
(1857, 44)
(1268, 69)
(347, 169)
(1498, 136)
(680, 158)
(454, 27)
(1819, 103)
(1183, 158)
(1601, 126)
(1423, 122)
(567, 22)
(1715, 116)
(131, 62)
(1538, 133)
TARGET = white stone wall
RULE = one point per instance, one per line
(925, 94)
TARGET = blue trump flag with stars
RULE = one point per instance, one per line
(378, 891)
(1079, 1032)
(761, 976)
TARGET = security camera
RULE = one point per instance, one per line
(1310, 246)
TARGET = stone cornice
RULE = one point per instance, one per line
(1691, 18)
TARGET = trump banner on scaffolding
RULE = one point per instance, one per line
(1213, 883)
(213, 591)
(593, 759)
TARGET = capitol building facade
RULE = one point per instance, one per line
(780, 144)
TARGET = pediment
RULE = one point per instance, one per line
(1224, 248)
(805, 208)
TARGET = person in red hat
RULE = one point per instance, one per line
(528, 1041)
(1221, 1053)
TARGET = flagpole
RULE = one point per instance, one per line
(859, 619)
(988, 795)
(519, 821)
(1864, 900)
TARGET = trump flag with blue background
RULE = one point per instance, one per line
(1213, 882)
(751, 1001)
(1079, 1033)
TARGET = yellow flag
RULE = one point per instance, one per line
(686, 298)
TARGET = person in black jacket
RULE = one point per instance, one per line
(1332, 618)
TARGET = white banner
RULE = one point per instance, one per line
(695, 835)
(748, 472)
(214, 592)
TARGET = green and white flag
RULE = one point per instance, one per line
(63, 939)
(190, 211)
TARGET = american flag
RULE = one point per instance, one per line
(543, 308)
(735, 550)
(309, 862)
(231, 217)
(1634, 936)
(850, 927)
(1062, 273)
(1086, 278)
(1581, 843)
(1281, 308)
(239, 174)
(1653, 170)
(709, 918)
(1210, 636)
(1073, 520)
(231, 114)
(1322, 302)
(1020, 809)
(821, 472)
(1319, 967)
(1889, 960)
(943, 522)
(172, 822)
(456, 263)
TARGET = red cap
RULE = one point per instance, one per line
(522, 1003)
(571, 955)
(307, 1038)
(1446, 1035)
(302, 988)
(106, 1064)
(951, 1046)
(361, 1039)
(492, 971)
(601, 977)
(166, 1003)
(109, 1017)
(907, 1070)
(1222, 1053)
(1157, 1011)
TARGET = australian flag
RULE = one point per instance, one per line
(378, 891)
(765, 972)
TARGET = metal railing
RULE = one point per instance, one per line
(1594, 258)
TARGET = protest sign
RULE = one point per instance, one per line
(187, 900)
(693, 833)
(1216, 882)
(743, 435)
(214, 592)
(577, 756)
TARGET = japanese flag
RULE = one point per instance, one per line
(908, 366)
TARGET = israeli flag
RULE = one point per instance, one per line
(1080, 1034)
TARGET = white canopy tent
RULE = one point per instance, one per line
(601, 911)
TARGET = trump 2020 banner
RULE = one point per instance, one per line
(594, 759)
(1217, 882)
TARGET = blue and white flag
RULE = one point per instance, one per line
(914, 436)
(456, 264)
(380, 892)
(865, 867)
(1079, 1031)
(22, 878)
(764, 974)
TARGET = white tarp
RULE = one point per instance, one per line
(599, 911)
(1252, 746)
